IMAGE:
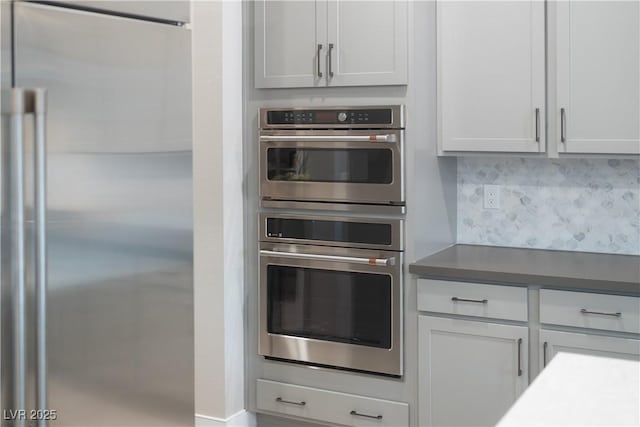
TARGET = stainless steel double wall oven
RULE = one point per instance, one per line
(330, 291)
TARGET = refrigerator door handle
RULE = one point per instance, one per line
(17, 103)
(40, 219)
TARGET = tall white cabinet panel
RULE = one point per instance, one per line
(367, 43)
(470, 372)
(290, 43)
(491, 76)
(552, 342)
(598, 76)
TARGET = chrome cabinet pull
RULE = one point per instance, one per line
(355, 260)
(319, 70)
(290, 402)
(600, 313)
(479, 301)
(537, 125)
(358, 414)
(519, 357)
(544, 354)
(330, 60)
(563, 126)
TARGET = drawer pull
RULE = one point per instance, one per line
(281, 400)
(357, 414)
(479, 301)
(600, 313)
(544, 354)
(519, 356)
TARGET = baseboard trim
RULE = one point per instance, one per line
(241, 418)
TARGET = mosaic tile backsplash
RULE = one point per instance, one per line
(590, 205)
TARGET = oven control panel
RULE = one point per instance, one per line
(332, 117)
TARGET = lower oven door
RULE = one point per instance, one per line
(356, 166)
(337, 307)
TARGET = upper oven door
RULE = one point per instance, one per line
(349, 166)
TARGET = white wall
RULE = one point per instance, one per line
(218, 212)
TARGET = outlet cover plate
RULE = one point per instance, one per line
(491, 196)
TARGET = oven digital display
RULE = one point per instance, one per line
(325, 117)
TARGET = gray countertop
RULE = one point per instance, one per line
(551, 269)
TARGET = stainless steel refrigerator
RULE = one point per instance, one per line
(96, 308)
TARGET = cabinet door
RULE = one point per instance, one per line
(598, 76)
(369, 42)
(552, 342)
(290, 43)
(491, 76)
(470, 372)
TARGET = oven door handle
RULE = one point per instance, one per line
(330, 138)
(336, 258)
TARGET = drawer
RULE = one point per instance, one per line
(329, 406)
(473, 299)
(587, 310)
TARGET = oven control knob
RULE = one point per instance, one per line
(342, 116)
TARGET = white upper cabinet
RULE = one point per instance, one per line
(369, 43)
(288, 43)
(597, 45)
(491, 76)
(330, 43)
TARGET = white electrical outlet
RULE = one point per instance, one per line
(491, 196)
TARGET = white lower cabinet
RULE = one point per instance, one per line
(553, 342)
(329, 406)
(470, 372)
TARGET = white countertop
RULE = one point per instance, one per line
(577, 389)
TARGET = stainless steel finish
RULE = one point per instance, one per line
(519, 357)
(318, 58)
(334, 207)
(480, 301)
(353, 260)
(330, 59)
(537, 125)
(15, 252)
(386, 361)
(331, 138)
(397, 231)
(393, 193)
(290, 402)
(600, 313)
(544, 354)
(563, 126)
(397, 117)
(40, 205)
(119, 215)
(357, 414)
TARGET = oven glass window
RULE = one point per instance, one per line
(340, 306)
(358, 166)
